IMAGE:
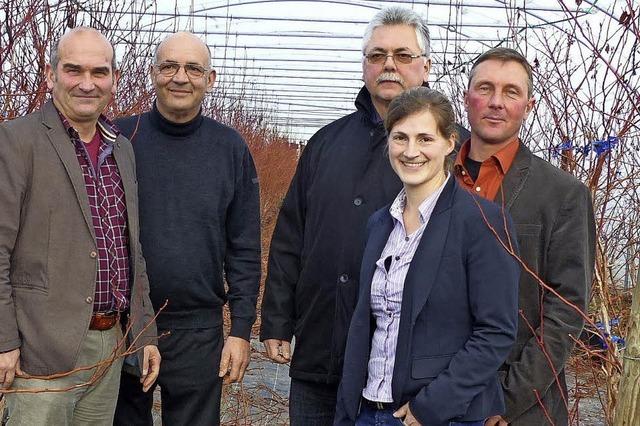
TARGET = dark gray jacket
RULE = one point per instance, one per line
(553, 216)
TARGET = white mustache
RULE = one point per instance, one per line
(389, 76)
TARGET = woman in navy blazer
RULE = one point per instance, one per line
(437, 308)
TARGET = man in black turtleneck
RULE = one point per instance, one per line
(199, 219)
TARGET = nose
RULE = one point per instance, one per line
(181, 76)
(389, 63)
(86, 83)
(411, 150)
(496, 100)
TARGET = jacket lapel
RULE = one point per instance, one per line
(515, 178)
(66, 151)
(378, 236)
(357, 352)
(124, 161)
(125, 168)
(420, 280)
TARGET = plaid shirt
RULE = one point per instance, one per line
(109, 217)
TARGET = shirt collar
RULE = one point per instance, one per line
(425, 208)
(504, 158)
(108, 131)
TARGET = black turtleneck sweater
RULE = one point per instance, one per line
(199, 220)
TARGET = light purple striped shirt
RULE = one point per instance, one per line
(386, 294)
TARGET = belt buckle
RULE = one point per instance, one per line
(379, 405)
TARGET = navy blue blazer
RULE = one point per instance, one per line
(459, 315)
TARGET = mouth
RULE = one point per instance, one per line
(179, 92)
(413, 164)
(389, 78)
(494, 120)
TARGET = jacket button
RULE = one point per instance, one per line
(89, 299)
(357, 201)
(93, 254)
(372, 132)
(344, 278)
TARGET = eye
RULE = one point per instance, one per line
(514, 93)
(425, 140)
(169, 68)
(403, 58)
(194, 70)
(398, 138)
(376, 58)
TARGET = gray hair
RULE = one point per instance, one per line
(54, 56)
(396, 15)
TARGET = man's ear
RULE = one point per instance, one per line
(530, 104)
(49, 74)
(427, 70)
(116, 79)
(211, 79)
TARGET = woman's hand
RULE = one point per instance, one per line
(404, 413)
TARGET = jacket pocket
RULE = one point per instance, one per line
(429, 366)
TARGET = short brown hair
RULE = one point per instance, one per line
(504, 54)
(417, 100)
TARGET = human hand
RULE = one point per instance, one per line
(9, 367)
(235, 359)
(278, 350)
(405, 414)
(495, 421)
(150, 366)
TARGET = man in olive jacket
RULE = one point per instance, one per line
(554, 221)
(70, 260)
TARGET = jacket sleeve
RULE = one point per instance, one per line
(242, 263)
(13, 188)
(492, 283)
(150, 335)
(571, 257)
(285, 255)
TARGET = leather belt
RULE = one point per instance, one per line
(102, 321)
(377, 405)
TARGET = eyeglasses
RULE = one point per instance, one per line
(398, 58)
(169, 69)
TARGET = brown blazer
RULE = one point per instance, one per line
(47, 245)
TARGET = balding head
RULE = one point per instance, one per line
(54, 57)
(185, 39)
(181, 75)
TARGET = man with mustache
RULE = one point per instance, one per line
(554, 223)
(71, 268)
(343, 176)
(200, 227)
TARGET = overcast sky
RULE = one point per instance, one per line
(302, 59)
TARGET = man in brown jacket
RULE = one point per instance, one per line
(553, 216)
(70, 260)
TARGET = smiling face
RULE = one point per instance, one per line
(387, 80)
(417, 152)
(83, 80)
(180, 96)
(497, 103)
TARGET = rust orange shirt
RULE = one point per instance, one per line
(492, 170)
